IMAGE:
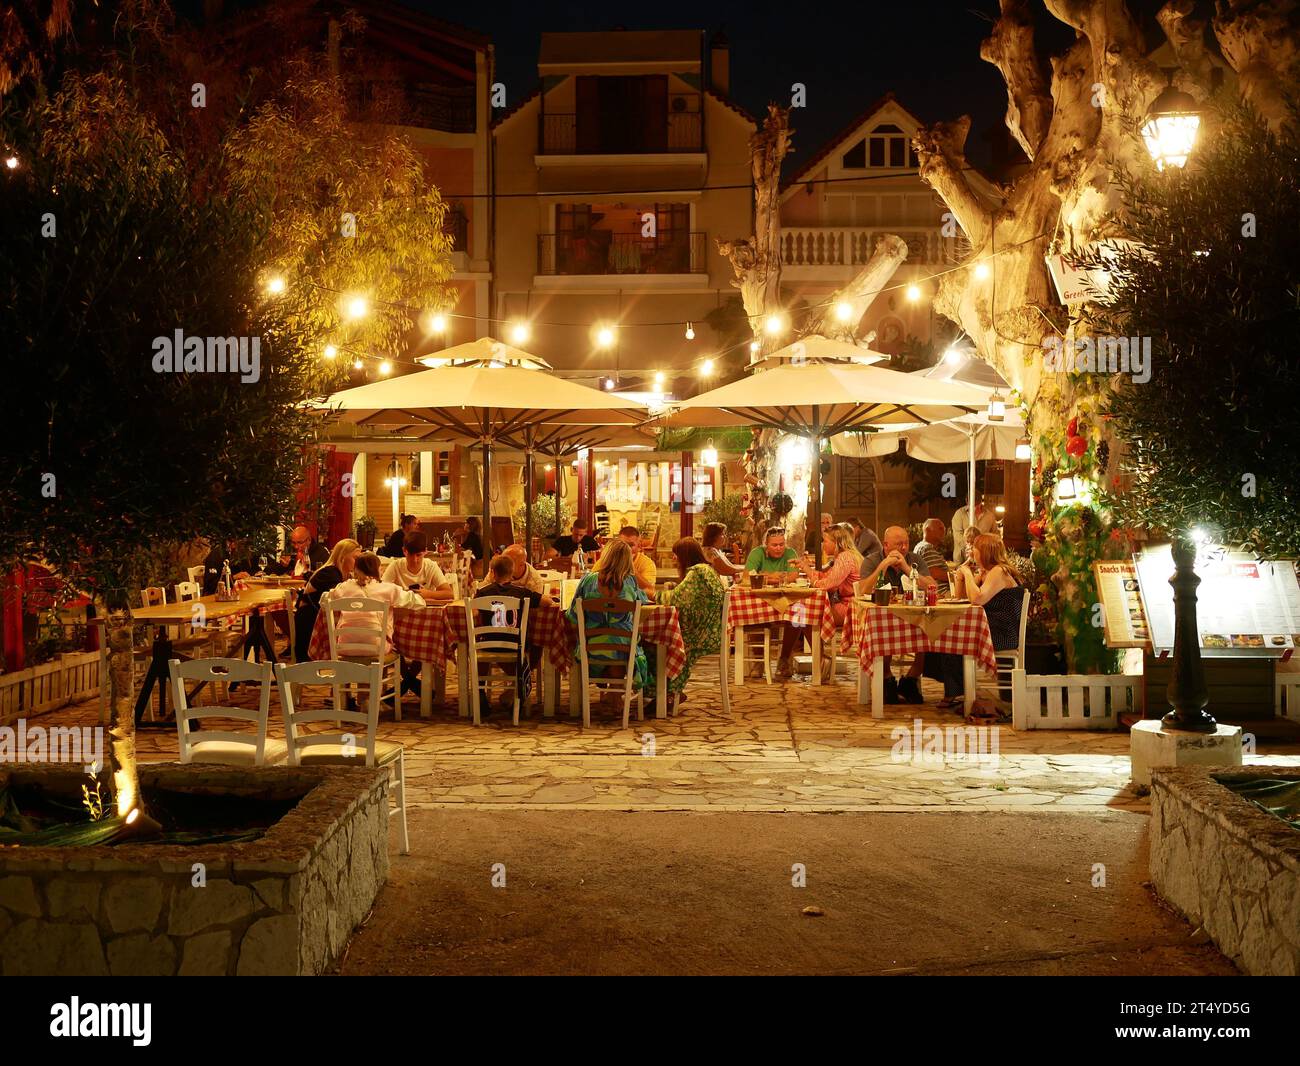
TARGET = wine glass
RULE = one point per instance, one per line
(261, 564)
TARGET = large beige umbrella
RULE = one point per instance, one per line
(490, 400)
(818, 400)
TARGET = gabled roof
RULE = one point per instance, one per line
(731, 104)
(836, 142)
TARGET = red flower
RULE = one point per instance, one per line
(1076, 446)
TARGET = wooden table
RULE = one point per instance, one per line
(250, 602)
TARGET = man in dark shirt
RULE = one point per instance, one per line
(566, 545)
(887, 567)
(472, 541)
(393, 545)
(305, 555)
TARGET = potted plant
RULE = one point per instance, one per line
(367, 527)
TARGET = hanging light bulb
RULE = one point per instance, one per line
(356, 364)
(913, 293)
(690, 332)
(357, 307)
(753, 347)
(774, 325)
(997, 407)
(519, 333)
(844, 310)
(275, 285)
(706, 368)
(1171, 127)
(330, 351)
(604, 337)
(11, 161)
(659, 377)
(953, 355)
(385, 367)
(709, 456)
(608, 383)
(1024, 450)
(438, 322)
(981, 271)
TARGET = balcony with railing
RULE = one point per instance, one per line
(567, 133)
(599, 252)
(827, 248)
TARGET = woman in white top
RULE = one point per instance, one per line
(357, 631)
(416, 569)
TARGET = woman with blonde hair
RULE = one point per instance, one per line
(838, 581)
(613, 579)
(337, 569)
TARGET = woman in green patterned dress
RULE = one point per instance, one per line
(698, 600)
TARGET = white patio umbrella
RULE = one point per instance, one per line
(488, 398)
(817, 400)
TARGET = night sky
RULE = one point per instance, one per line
(847, 54)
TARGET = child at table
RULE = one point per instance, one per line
(355, 630)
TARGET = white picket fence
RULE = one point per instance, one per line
(65, 679)
(1073, 701)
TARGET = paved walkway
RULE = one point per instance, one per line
(784, 747)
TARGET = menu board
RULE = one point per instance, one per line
(1124, 616)
(1244, 606)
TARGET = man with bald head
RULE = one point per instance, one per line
(303, 554)
(523, 574)
(889, 564)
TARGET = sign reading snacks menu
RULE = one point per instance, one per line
(1244, 606)
(1122, 612)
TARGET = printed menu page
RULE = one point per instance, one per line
(1244, 606)
(1122, 611)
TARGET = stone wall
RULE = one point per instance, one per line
(283, 904)
(1228, 866)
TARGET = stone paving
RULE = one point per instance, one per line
(784, 747)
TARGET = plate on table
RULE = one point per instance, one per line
(953, 603)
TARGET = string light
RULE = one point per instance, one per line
(844, 310)
(11, 162)
(690, 332)
(913, 293)
(386, 367)
(753, 346)
(275, 285)
(437, 322)
(330, 351)
(608, 383)
(659, 377)
(519, 333)
(981, 271)
(953, 356)
(706, 368)
(604, 337)
(357, 364)
(774, 325)
(357, 307)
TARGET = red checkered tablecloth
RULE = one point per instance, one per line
(878, 631)
(752, 609)
(659, 625)
(545, 629)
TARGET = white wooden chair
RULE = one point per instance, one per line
(182, 639)
(224, 746)
(224, 638)
(619, 669)
(341, 748)
(499, 644)
(365, 641)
